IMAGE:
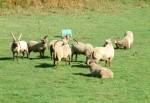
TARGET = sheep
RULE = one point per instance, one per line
(18, 47)
(62, 51)
(81, 48)
(51, 44)
(126, 42)
(105, 53)
(38, 46)
(97, 70)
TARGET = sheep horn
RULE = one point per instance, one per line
(13, 36)
(75, 40)
(20, 36)
(45, 37)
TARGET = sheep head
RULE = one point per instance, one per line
(90, 61)
(107, 41)
(44, 40)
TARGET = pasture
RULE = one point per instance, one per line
(37, 81)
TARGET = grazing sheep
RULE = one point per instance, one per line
(18, 47)
(126, 42)
(105, 53)
(81, 48)
(51, 44)
(97, 70)
(61, 52)
(38, 46)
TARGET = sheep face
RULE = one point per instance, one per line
(107, 41)
(44, 40)
(118, 43)
(14, 46)
(90, 61)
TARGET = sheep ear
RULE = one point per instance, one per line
(13, 36)
(20, 36)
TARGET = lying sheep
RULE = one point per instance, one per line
(38, 46)
(18, 47)
(126, 42)
(105, 53)
(81, 48)
(97, 70)
(51, 44)
(61, 52)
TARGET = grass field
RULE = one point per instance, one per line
(37, 81)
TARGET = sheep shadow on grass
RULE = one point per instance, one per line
(44, 65)
(80, 66)
(5, 58)
(87, 75)
(39, 57)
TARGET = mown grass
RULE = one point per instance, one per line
(37, 81)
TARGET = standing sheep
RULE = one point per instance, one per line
(51, 44)
(18, 47)
(61, 52)
(81, 48)
(97, 70)
(126, 42)
(38, 46)
(105, 53)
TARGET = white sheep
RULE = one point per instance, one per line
(97, 70)
(61, 52)
(52, 43)
(38, 46)
(18, 47)
(105, 53)
(81, 48)
(126, 42)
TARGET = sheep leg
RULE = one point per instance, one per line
(17, 57)
(23, 54)
(66, 61)
(51, 53)
(54, 62)
(76, 56)
(109, 62)
(27, 53)
(13, 56)
(106, 63)
(72, 57)
(40, 54)
(43, 53)
(69, 58)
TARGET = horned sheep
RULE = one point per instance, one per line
(18, 47)
(61, 52)
(61, 41)
(81, 48)
(38, 46)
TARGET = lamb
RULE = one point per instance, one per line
(18, 47)
(97, 70)
(81, 48)
(105, 53)
(126, 42)
(38, 46)
(61, 52)
(51, 44)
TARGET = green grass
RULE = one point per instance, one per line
(36, 81)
